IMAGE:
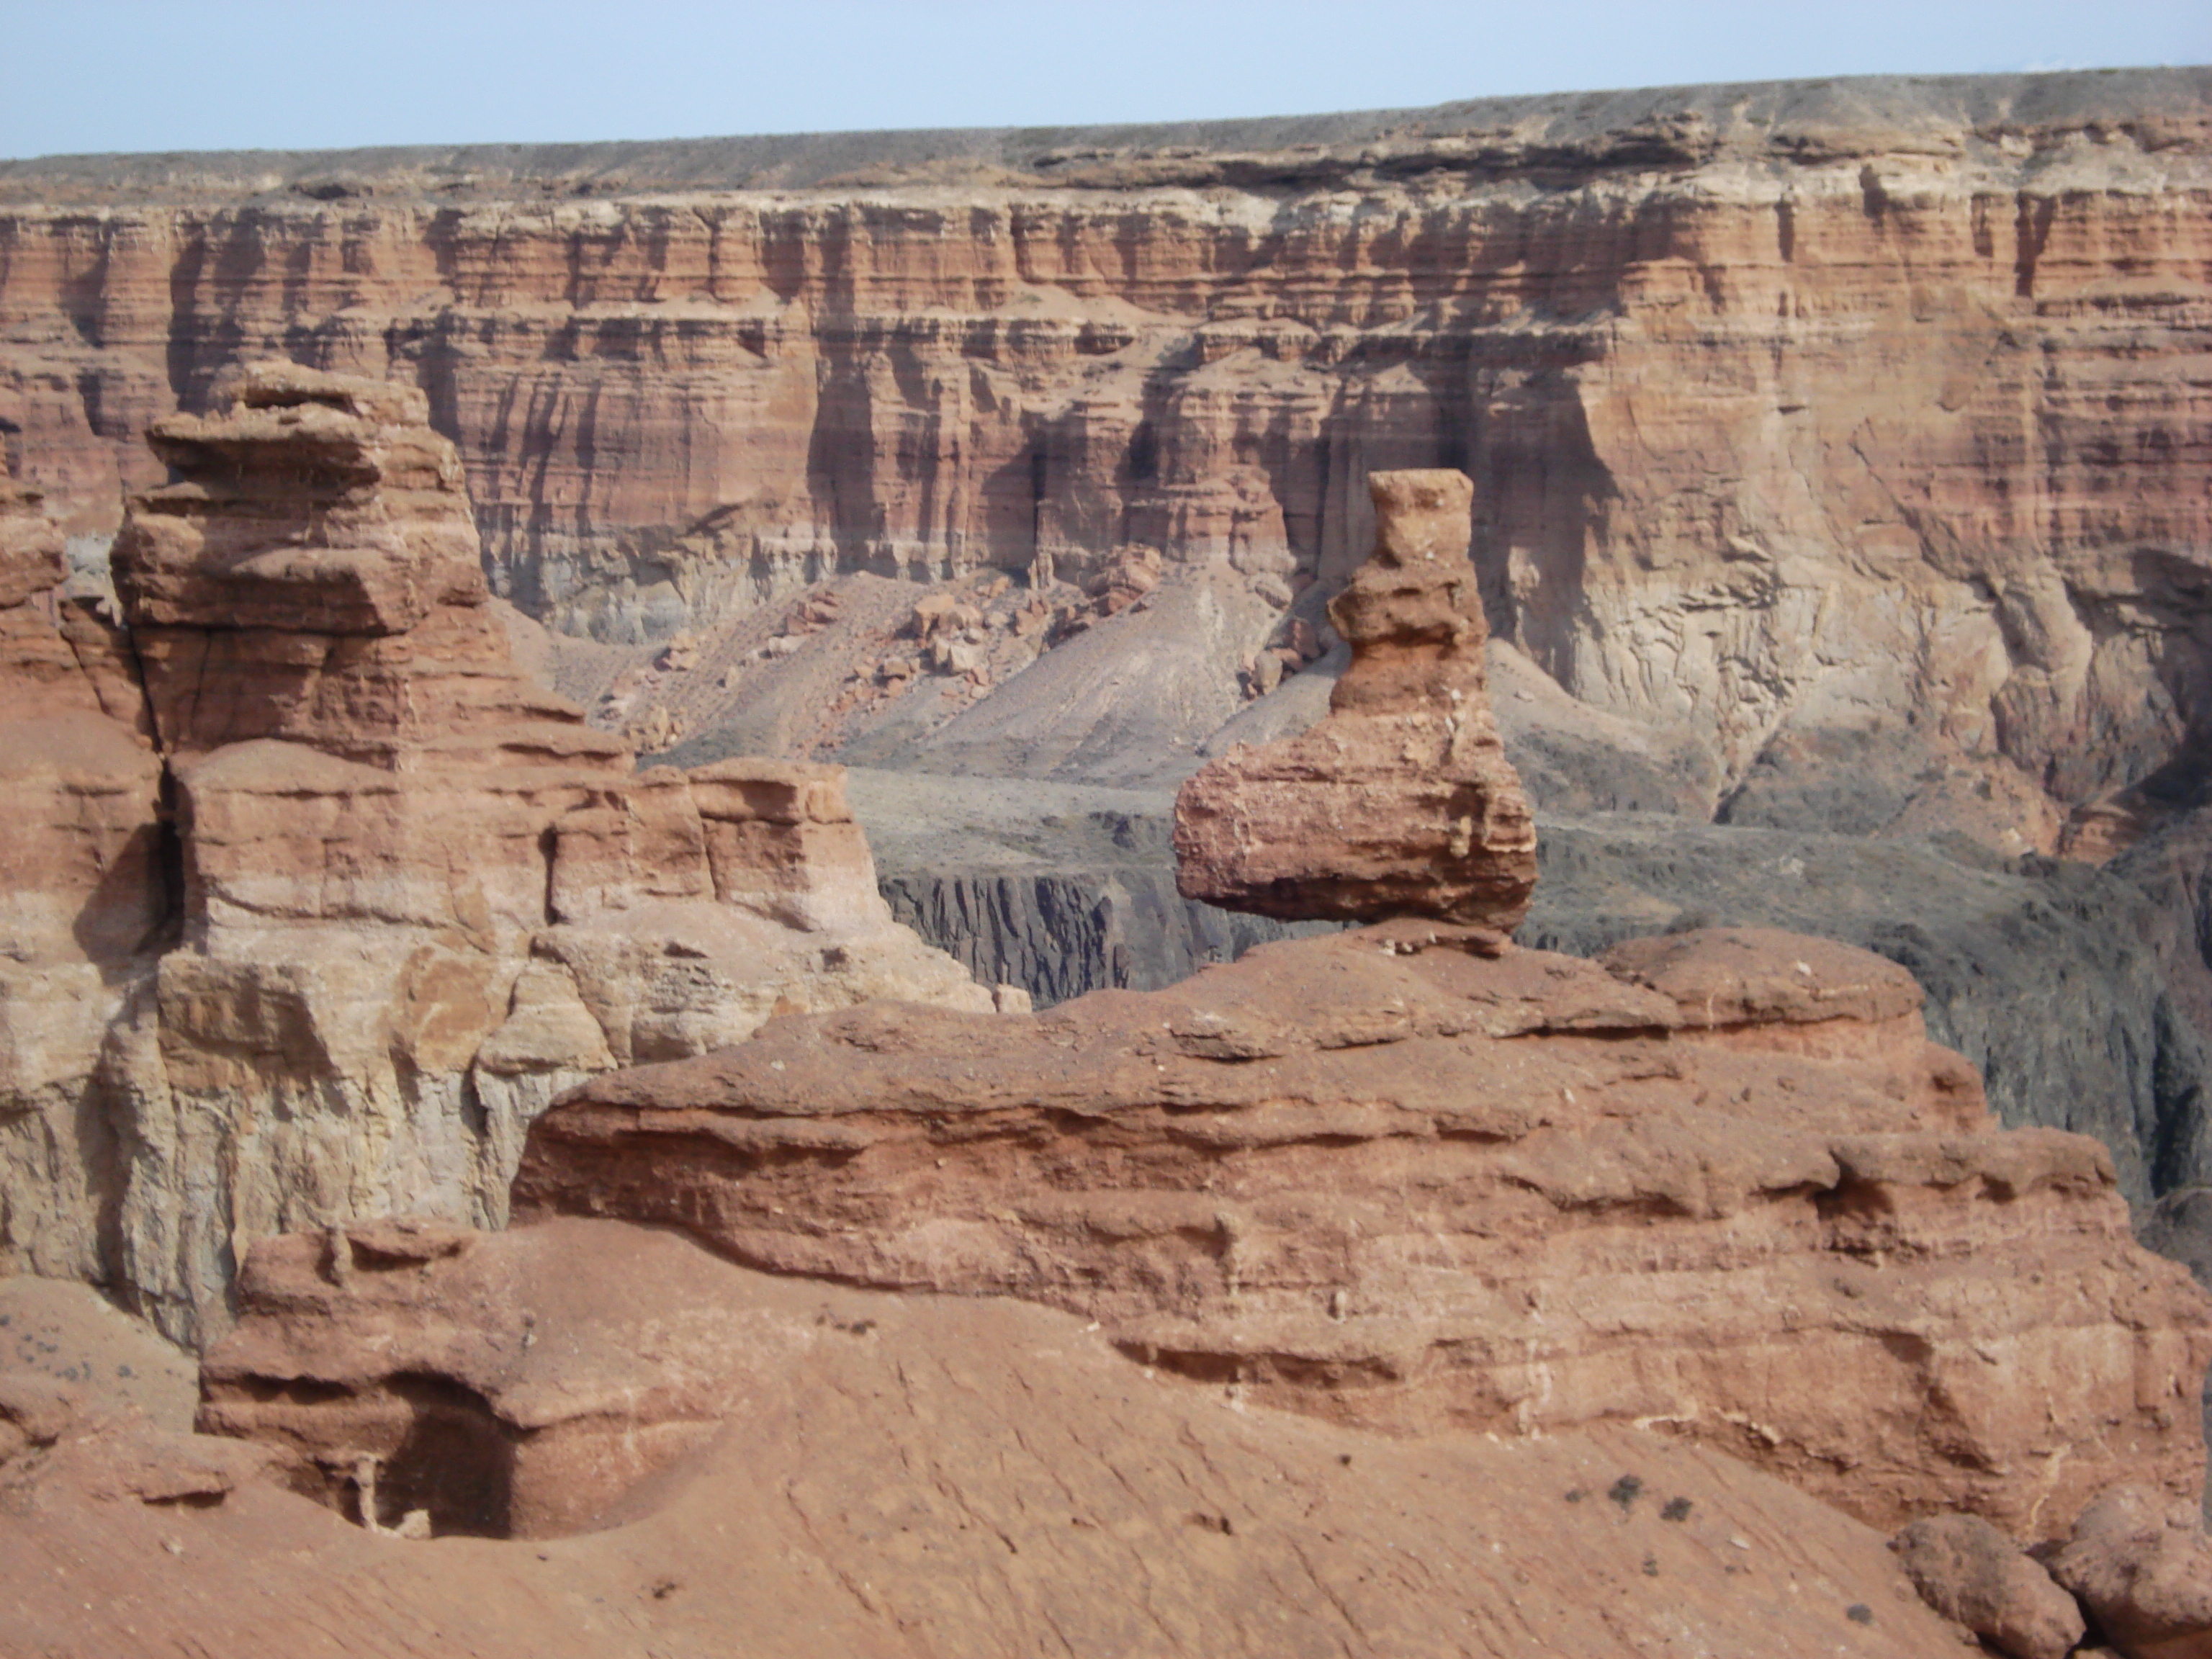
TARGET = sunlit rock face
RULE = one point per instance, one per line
(1412, 1177)
(84, 889)
(336, 899)
(1835, 427)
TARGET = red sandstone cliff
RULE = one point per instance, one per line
(1593, 1236)
(1854, 421)
(84, 889)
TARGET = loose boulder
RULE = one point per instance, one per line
(1966, 1570)
(2141, 1564)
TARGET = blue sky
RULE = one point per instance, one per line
(141, 75)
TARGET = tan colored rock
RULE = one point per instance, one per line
(83, 886)
(1400, 802)
(1968, 1570)
(2140, 1563)
(1414, 1178)
(386, 845)
(1129, 574)
(30, 542)
(74, 870)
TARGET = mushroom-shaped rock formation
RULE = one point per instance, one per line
(1415, 1177)
(1400, 802)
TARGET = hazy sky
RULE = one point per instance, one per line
(142, 74)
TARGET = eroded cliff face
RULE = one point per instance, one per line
(1489, 1219)
(1413, 1176)
(1719, 1183)
(1855, 423)
(85, 889)
(319, 934)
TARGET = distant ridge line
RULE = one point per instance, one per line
(1808, 120)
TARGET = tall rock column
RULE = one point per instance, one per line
(1400, 802)
(419, 895)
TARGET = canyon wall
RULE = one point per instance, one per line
(1840, 454)
(1850, 426)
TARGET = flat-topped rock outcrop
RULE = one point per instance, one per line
(1415, 1177)
(1718, 1183)
(701, 1460)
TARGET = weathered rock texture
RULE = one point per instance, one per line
(1721, 1185)
(2040, 971)
(1970, 1571)
(414, 895)
(85, 887)
(2140, 1563)
(1399, 801)
(53, 1332)
(1856, 430)
(891, 1477)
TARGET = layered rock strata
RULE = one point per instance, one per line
(1718, 1184)
(85, 885)
(1415, 1177)
(801, 1468)
(415, 895)
(2039, 971)
(1853, 430)
(1399, 801)
(2035, 969)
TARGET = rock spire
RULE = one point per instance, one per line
(1401, 802)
